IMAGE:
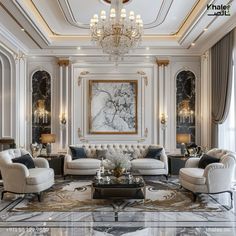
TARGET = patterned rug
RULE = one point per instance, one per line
(75, 195)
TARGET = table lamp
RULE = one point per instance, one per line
(48, 139)
(182, 139)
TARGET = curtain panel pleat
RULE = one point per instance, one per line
(221, 68)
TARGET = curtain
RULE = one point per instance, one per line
(221, 67)
(227, 130)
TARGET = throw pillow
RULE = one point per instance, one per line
(101, 153)
(77, 152)
(206, 160)
(130, 153)
(154, 153)
(25, 160)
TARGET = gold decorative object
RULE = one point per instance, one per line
(118, 172)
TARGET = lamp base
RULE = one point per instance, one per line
(49, 149)
(182, 149)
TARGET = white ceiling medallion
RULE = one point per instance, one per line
(116, 34)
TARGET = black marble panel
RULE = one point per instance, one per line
(41, 90)
(185, 90)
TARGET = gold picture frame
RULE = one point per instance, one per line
(113, 106)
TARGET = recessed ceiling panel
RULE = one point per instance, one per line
(72, 17)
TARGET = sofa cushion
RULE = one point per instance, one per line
(84, 163)
(193, 175)
(77, 152)
(206, 160)
(39, 175)
(101, 153)
(147, 163)
(25, 160)
(154, 152)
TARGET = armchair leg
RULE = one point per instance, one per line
(39, 195)
(2, 195)
(231, 198)
(195, 195)
(166, 177)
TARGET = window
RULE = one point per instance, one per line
(227, 130)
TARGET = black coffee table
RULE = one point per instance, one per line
(122, 188)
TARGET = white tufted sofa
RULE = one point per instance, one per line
(18, 179)
(215, 178)
(89, 165)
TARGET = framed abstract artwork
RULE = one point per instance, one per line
(113, 106)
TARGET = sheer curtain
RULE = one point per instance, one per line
(227, 130)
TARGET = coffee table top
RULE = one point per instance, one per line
(122, 182)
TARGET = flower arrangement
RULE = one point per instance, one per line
(116, 158)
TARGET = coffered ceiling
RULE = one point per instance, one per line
(63, 25)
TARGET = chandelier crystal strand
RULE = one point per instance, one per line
(116, 34)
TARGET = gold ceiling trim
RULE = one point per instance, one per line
(19, 24)
(54, 34)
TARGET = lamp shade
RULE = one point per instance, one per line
(183, 138)
(48, 138)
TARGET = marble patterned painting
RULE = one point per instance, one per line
(113, 107)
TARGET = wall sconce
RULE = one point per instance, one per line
(41, 114)
(163, 120)
(63, 118)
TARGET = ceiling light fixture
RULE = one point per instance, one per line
(116, 34)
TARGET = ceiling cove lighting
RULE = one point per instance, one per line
(118, 32)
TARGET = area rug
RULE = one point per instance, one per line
(75, 196)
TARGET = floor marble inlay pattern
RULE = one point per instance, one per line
(123, 223)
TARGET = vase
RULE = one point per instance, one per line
(118, 172)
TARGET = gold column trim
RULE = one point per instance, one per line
(63, 62)
(81, 137)
(81, 76)
(144, 76)
(162, 62)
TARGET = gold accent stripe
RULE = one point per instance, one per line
(19, 24)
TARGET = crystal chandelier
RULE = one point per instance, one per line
(185, 114)
(117, 33)
(41, 114)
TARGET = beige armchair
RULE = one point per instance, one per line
(17, 178)
(215, 178)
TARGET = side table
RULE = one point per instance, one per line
(56, 162)
(175, 163)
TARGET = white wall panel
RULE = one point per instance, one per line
(155, 95)
(48, 64)
(144, 74)
(178, 64)
(7, 96)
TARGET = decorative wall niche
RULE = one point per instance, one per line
(41, 105)
(185, 107)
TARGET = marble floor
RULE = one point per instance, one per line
(117, 223)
